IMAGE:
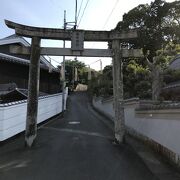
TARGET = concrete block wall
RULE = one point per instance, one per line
(13, 115)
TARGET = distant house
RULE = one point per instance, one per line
(172, 90)
(175, 63)
(15, 68)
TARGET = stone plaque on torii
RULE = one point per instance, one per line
(77, 38)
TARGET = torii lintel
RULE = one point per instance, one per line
(62, 34)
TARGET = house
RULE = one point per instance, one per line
(15, 68)
(175, 63)
(172, 90)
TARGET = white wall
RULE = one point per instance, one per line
(105, 107)
(159, 125)
(13, 115)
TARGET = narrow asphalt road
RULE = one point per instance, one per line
(76, 147)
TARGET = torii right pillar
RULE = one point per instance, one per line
(119, 122)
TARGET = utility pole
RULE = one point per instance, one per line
(100, 66)
(73, 73)
(66, 24)
(89, 73)
(75, 16)
(63, 76)
(50, 66)
(76, 74)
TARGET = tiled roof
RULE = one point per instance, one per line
(8, 86)
(15, 95)
(14, 39)
(11, 37)
(13, 59)
(20, 40)
(172, 85)
(25, 92)
(25, 101)
(176, 58)
(3, 92)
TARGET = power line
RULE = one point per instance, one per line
(95, 61)
(57, 61)
(109, 16)
(79, 9)
(53, 60)
(110, 13)
(83, 12)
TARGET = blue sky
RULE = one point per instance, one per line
(98, 15)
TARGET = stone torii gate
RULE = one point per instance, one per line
(77, 38)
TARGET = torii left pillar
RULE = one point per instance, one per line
(33, 92)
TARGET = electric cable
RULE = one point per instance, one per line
(83, 12)
(117, 1)
(111, 13)
(79, 9)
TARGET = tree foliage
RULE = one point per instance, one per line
(158, 27)
(157, 24)
(136, 82)
(70, 66)
(102, 84)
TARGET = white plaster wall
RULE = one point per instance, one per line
(163, 131)
(157, 125)
(104, 107)
(13, 117)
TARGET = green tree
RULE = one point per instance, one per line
(102, 85)
(136, 80)
(158, 26)
(70, 68)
